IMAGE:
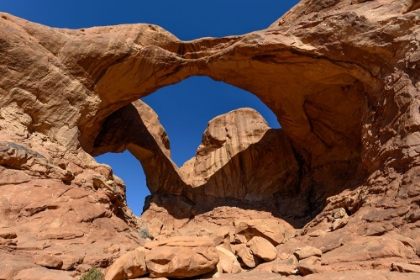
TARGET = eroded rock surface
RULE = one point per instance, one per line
(341, 76)
(229, 161)
(181, 257)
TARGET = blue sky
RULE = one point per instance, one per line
(184, 109)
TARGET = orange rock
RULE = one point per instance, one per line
(310, 265)
(128, 266)
(367, 248)
(405, 267)
(7, 233)
(37, 273)
(13, 264)
(364, 274)
(306, 252)
(271, 229)
(48, 261)
(227, 157)
(227, 261)
(181, 257)
(245, 254)
(222, 238)
(262, 248)
(341, 77)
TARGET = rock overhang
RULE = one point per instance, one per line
(313, 79)
(341, 76)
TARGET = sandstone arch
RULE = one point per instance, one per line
(341, 76)
(333, 103)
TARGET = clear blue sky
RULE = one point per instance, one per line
(184, 109)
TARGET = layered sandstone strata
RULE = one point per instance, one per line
(341, 76)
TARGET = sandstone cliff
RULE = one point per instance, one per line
(342, 77)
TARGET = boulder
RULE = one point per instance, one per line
(306, 252)
(221, 237)
(128, 266)
(181, 257)
(245, 254)
(48, 261)
(281, 267)
(227, 261)
(262, 248)
(338, 223)
(309, 265)
(273, 230)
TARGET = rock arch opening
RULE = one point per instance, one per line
(321, 101)
(185, 110)
(130, 170)
(331, 100)
(270, 173)
(342, 81)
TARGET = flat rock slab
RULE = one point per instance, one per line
(48, 261)
(367, 248)
(364, 274)
(255, 276)
(11, 264)
(306, 252)
(40, 273)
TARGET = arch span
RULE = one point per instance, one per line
(342, 84)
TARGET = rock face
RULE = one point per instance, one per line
(341, 76)
(147, 141)
(228, 163)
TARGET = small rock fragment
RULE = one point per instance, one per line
(339, 223)
(306, 252)
(48, 261)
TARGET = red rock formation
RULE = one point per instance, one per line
(342, 77)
